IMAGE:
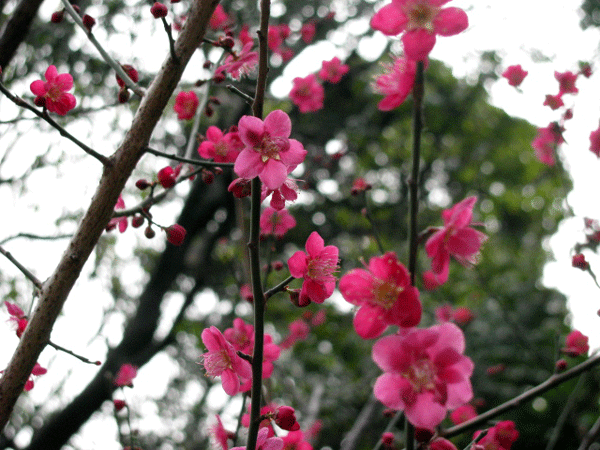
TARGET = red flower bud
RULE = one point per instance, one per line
(240, 188)
(285, 418)
(207, 176)
(158, 10)
(149, 232)
(137, 221)
(39, 101)
(387, 439)
(560, 365)
(119, 404)
(89, 22)
(167, 177)
(580, 262)
(57, 16)
(175, 234)
(124, 95)
(131, 73)
(142, 184)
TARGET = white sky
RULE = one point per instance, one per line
(515, 28)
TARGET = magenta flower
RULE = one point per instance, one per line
(36, 371)
(317, 267)
(263, 442)
(396, 82)
(241, 336)
(462, 414)
(17, 316)
(308, 32)
(126, 374)
(268, 152)
(186, 104)
(576, 344)
(307, 94)
(53, 92)
(501, 436)
(219, 434)
(288, 191)
(241, 63)
(426, 373)
(515, 75)
(554, 101)
(421, 21)
(566, 82)
(455, 238)
(546, 142)
(595, 142)
(220, 147)
(222, 360)
(333, 71)
(277, 223)
(219, 19)
(295, 440)
(384, 294)
(120, 221)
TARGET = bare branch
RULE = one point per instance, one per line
(22, 268)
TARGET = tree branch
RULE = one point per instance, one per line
(38, 284)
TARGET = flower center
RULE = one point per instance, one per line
(54, 93)
(386, 293)
(421, 375)
(221, 149)
(321, 269)
(216, 363)
(421, 15)
(271, 147)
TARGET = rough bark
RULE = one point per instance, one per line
(57, 287)
(15, 29)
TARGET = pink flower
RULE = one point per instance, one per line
(120, 221)
(441, 444)
(17, 316)
(317, 267)
(36, 371)
(462, 315)
(241, 336)
(462, 414)
(421, 21)
(333, 70)
(308, 31)
(515, 75)
(307, 94)
(500, 437)
(546, 141)
(576, 344)
(443, 313)
(239, 64)
(222, 360)
(395, 83)
(53, 92)
(276, 35)
(186, 104)
(268, 152)
(288, 191)
(299, 330)
(175, 234)
(580, 262)
(220, 147)
(384, 295)
(426, 373)
(126, 374)
(455, 238)
(554, 101)
(295, 441)
(263, 442)
(219, 434)
(566, 81)
(219, 19)
(285, 418)
(277, 223)
(595, 142)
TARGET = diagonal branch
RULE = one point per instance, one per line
(56, 289)
(22, 268)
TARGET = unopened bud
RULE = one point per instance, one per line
(207, 176)
(137, 221)
(142, 184)
(560, 365)
(124, 95)
(57, 16)
(158, 10)
(149, 232)
(89, 22)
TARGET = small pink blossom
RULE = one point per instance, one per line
(299, 330)
(576, 344)
(308, 31)
(515, 75)
(307, 94)
(396, 82)
(219, 434)
(17, 316)
(295, 440)
(276, 36)
(241, 63)
(219, 19)
(121, 222)
(126, 374)
(186, 104)
(263, 442)
(462, 315)
(421, 21)
(268, 152)
(554, 101)
(220, 147)
(443, 444)
(222, 360)
(53, 93)
(425, 373)
(580, 262)
(277, 223)
(285, 418)
(241, 336)
(36, 371)
(462, 414)
(566, 81)
(546, 142)
(595, 142)
(500, 437)
(333, 71)
(384, 295)
(287, 192)
(317, 267)
(456, 238)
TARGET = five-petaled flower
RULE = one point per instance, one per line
(317, 267)
(241, 63)
(576, 343)
(455, 238)
(384, 294)
(395, 83)
(53, 93)
(425, 373)
(274, 222)
(263, 442)
(307, 93)
(186, 104)
(421, 21)
(17, 316)
(500, 437)
(222, 360)
(268, 152)
(333, 71)
(126, 374)
(515, 75)
(220, 147)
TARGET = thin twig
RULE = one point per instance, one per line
(195, 162)
(69, 352)
(550, 383)
(34, 236)
(247, 98)
(110, 61)
(64, 133)
(280, 287)
(38, 284)
(565, 413)
(171, 40)
(591, 436)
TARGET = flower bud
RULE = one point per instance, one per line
(158, 10)
(285, 418)
(560, 365)
(142, 184)
(207, 176)
(119, 404)
(167, 177)
(240, 187)
(387, 439)
(149, 232)
(124, 95)
(137, 221)
(580, 262)
(89, 22)
(57, 16)
(175, 234)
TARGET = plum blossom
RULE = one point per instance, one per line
(126, 374)
(396, 82)
(566, 82)
(462, 414)
(17, 316)
(36, 371)
(500, 437)
(53, 93)
(317, 267)
(288, 191)
(425, 373)
(186, 104)
(222, 360)
(515, 75)
(220, 147)
(307, 94)
(384, 295)
(333, 71)
(595, 142)
(268, 152)
(219, 434)
(277, 223)
(299, 330)
(546, 142)
(554, 101)
(580, 262)
(455, 238)
(238, 64)
(421, 21)
(308, 31)
(295, 440)
(121, 222)
(263, 442)
(576, 343)
(219, 19)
